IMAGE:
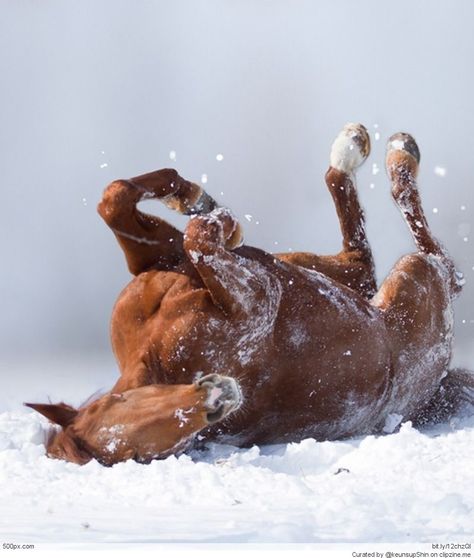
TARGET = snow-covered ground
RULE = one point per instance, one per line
(410, 486)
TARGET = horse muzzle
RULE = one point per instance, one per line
(224, 396)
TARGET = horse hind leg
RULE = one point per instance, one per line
(416, 297)
(402, 162)
(350, 149)
(354, 265)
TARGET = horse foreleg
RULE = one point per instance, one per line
(148, 241)
(237, 285)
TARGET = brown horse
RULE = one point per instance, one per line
(247, 347)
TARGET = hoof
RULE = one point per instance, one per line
(404, 142)
(206, 233)
(224, 396)
(204, 204)
(231, 228)
(351, 148)
(236, 238)
(403, 156)
(186, 199)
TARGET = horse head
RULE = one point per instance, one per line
(143, 423)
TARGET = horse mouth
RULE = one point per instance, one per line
(224, 396)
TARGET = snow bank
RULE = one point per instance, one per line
(407, 486)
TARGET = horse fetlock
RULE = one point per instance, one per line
(404, 142)
(185, 198)
(402, 159)
(223, 396)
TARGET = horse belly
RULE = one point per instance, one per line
(317, 379)
(194, 344)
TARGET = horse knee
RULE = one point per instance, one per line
(118, 200)
(203, 235)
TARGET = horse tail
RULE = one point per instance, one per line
(455, 397)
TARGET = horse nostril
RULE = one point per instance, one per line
(223, 396)
(209, 379)
(216, 415)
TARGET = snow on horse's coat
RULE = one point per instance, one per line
(248, 347)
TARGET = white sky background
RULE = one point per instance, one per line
(95, 90)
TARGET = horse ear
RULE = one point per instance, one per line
(61, 414)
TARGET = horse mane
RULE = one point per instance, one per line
(63, 444)
(93, 398)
